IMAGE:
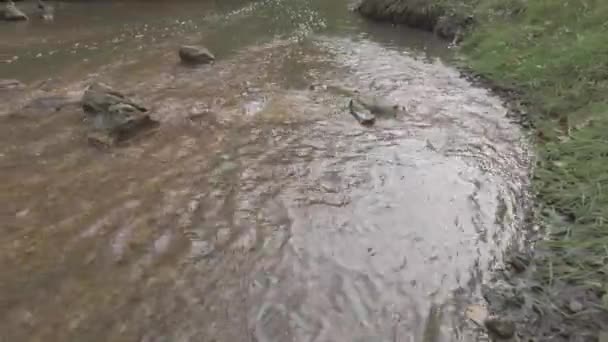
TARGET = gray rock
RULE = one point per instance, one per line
(12, 13)
(9, 84)
(46, 11)
(191, 54)
(575, 306)
(362, 114)
(501, 328)
(379, 107)
(99, 97)
(112, 113)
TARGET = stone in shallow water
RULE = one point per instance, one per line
(98, 98)
(12, 13)
(362, 114)
(379, 107)
(191, 54)
(9, 84)
(114, 115)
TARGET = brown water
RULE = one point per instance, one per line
(260, 210)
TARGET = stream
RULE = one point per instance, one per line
(260, 210)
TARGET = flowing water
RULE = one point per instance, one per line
(259, 210)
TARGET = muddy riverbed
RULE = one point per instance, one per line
(260, 210)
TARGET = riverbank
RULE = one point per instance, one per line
(555, 53)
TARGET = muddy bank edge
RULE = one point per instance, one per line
(551, 59)
(447, 21)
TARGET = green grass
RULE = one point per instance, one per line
(556, 52)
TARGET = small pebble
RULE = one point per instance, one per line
(575, 306)
(23, 213)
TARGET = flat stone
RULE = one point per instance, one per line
(362, 114)
(575, 306)
(99, 97)
(112, 114)
(12, 13)
(379, 107)
(10, 84)
(192, 54)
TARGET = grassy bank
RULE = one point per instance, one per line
(555, 52)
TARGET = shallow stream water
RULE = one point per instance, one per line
(260, 210)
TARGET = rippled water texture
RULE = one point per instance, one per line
(260, 210)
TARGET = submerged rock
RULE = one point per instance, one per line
(362, 114)
(99, 97)
(114, 115)
(47, 16)
(191, 54)
(379, 107)
(9, 84)
(502, 328)
(46, 11)
(12, 13)
(367, 108)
